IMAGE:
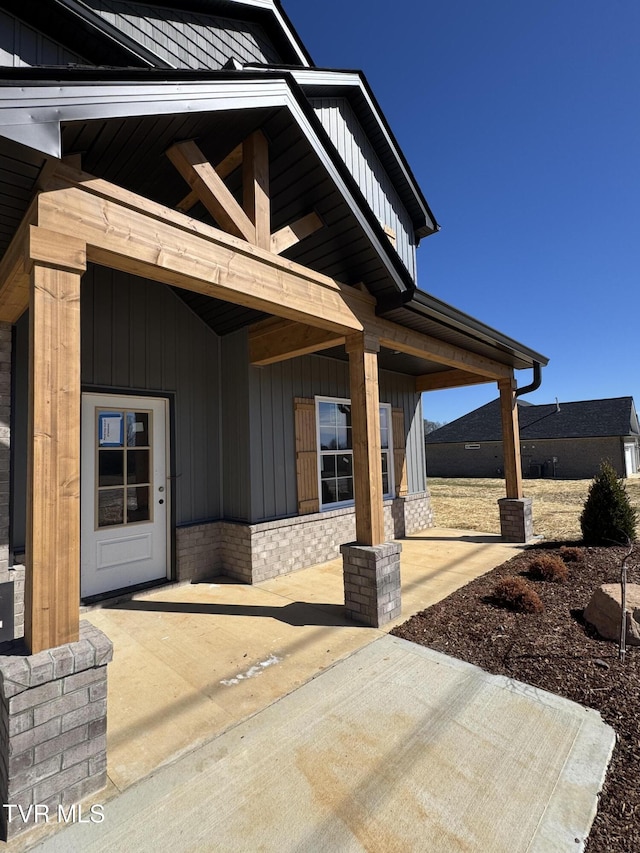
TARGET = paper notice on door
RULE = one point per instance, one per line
(110, 429)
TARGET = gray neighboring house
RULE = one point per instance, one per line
(563, 440)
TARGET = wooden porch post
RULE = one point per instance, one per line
(510, 437)
(52, 588)
(365, 423)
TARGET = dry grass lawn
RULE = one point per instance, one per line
(471, 504)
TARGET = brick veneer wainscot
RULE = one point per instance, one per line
(53, 714)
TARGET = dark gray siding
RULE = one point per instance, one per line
(235, 424)
(188, 39)
(138, 335)
(353, 145)
(21, 45)
(272, 438)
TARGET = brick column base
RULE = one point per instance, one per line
(516, 519)
(372, 582)
(53, 729)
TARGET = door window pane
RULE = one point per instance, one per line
(138, 504)
(138, 466)
(138, 429)
(110, 507)
(110, 468)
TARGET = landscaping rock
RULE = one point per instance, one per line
(604, 612)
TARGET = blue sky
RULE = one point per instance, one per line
(521, 122)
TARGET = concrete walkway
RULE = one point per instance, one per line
(258, 718)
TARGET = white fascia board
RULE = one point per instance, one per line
(33, 116)
(26, 109)
(352, 79)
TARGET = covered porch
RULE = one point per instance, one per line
(76, 219)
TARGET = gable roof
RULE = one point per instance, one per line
(582, 419)
(84, 27)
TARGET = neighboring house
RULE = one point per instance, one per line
(212, 342)
(564, 440)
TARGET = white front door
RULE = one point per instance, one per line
(125, 492)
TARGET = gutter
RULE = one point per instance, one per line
(537, 381)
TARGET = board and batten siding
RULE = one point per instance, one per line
(353, 145)
(138, 335)
(272, 426)
(235, 420)
(187, 39)
(22, 46)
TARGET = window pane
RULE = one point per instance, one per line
(385, 484)
(329, 491)
(138, 469)
(385, 463)
(328, 469)
(384, 438)
(110, 468)
(328, 438)
(327, 414)
(344, 438)
(345, 489)
(343, 414)
(138, 504)
(138, 429)
(384, 421)
(110, 507)
(344, 465)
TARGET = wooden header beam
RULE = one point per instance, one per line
(272, 341)
(448, 379)
(125, 232)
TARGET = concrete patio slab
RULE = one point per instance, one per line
(395, 748)
(213, 686)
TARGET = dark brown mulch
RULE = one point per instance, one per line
(557, 651)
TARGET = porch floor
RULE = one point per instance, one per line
(193, 662)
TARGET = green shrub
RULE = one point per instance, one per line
(608, 517)
(516, 594)
(548, 567)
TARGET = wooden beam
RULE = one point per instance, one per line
(272, 341)
(510, 437)
(52, 583)
(14, 276)
(210, 262)
(166, 257)
(365, 429)
(295, 232)
(211, 189)
(424, 346)
(224, 169)
(448, 379)
(255, 186)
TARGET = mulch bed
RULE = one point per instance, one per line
(556, 651)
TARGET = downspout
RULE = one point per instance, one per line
(537, 381)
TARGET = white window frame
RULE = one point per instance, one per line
(387, 450)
